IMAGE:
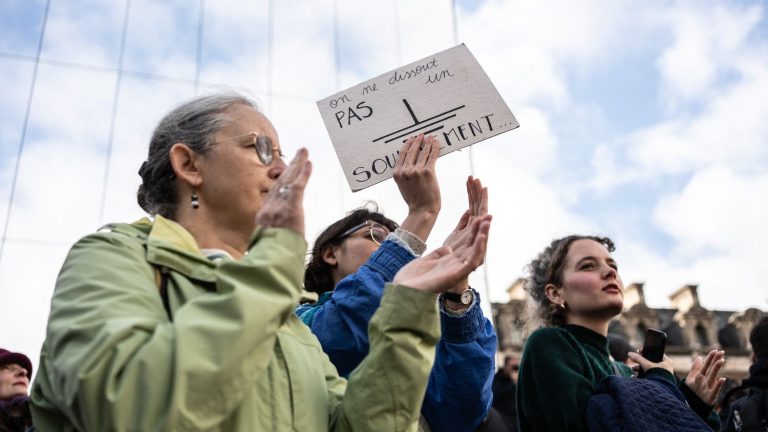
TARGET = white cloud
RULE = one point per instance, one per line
(717, 210)
(234, 46)
(91, 38)
(13, 100)
(730, 131)
(162, 38)
(708, 42)
(26, 295)
(532, 148)
(527, 47)
(715, 74)
(730, 281)
(58, 194)
(72, 107)
(142, 104)
(717, 224)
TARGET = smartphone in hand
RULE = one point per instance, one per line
(655, 342)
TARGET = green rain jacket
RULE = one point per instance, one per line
(233, 357)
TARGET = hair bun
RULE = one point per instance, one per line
(143, 169)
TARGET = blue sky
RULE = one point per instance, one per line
(641, 121)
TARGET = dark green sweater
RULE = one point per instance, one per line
(560, 369)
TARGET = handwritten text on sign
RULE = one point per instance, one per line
(447, 95)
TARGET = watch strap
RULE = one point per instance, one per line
(457, 297)
(454, 297)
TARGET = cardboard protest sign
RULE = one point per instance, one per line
(447, 94)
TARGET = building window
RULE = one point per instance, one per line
(701, 336)
(516, 333)
(641, 328)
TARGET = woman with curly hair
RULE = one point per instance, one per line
(576, 288)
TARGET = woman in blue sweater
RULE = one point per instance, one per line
(355, 257)
(576, 287)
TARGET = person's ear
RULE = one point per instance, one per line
(554, 294)
(329, 256)
(185, 163)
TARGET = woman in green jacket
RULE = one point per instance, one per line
(185, 322)
(577, 290)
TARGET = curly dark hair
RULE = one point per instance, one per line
(317, 275)
(546, 269)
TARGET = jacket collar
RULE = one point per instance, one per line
(585, 335)
(171, 245)
(758, 374)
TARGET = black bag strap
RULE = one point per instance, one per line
(764, 409)
(762, 406)
(161, 272)
(616, 370)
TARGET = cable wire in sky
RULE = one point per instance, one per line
(113, 120)
(199, 48)
(455, 22)
(270, 53)
(24, 129)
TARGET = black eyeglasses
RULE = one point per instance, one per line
(262, 144)
(377, 232)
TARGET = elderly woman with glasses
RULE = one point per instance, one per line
(185, 322)
(354, 258)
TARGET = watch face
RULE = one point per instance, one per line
(467, 296)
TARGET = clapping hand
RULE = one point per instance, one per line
(477, 196)
(446, 266)
(478, 206)
(702, 378)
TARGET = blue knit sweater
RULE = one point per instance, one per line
(459, 391)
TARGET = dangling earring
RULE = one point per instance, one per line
(194, 201)
(561, 306)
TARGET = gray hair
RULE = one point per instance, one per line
(194, 123)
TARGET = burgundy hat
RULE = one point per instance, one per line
(7, 357)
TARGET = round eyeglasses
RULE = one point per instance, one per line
(376, 232)
(263, 146)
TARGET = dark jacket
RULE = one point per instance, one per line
(758, 374)
(750, 412)
(15, 415)
(562, 367)
(504, 389)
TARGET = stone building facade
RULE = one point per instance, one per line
(691, 329)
